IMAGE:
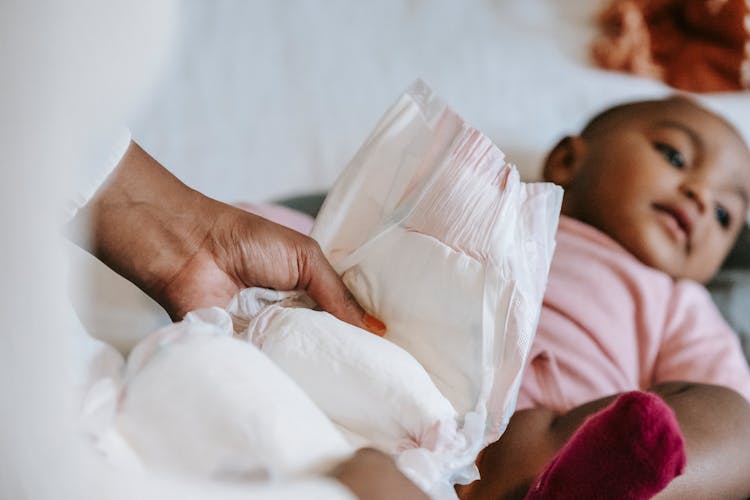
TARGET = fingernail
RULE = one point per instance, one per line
(374, 324)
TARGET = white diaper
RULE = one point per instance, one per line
(435, 235)
(370, 387)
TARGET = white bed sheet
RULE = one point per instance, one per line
(268, 99)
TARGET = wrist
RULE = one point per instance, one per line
(168, 232)
(143, 222)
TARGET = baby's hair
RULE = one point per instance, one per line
(605, 119)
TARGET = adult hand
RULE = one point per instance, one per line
(188, 251)
(372, 475)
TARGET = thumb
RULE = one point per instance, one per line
(318, 278)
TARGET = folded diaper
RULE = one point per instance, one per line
(436, 235)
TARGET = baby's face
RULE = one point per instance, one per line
(669, 181)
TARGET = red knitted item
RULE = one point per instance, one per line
(694, 45)
(630, 450)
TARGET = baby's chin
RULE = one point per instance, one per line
(673, 261)
(648, 241)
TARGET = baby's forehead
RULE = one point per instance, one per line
(679, 111)
(707, 125)
(687, 112)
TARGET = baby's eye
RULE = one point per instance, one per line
(722, 215)
(671, 154)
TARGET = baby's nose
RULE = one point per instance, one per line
(697, 191)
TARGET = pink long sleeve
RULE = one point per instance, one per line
(698, 344)
(610, 324)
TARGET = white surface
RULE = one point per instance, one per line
(268, 99)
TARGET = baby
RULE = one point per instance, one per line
(656, 193)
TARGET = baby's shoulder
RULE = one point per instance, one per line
(689, 293)
(691, 307)
(603, 266)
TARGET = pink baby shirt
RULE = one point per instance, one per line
(611, 324)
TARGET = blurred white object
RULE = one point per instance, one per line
(198, 402)
(70, 70)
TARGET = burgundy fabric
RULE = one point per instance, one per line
(630, 450)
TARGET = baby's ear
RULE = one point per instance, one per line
(564, 160)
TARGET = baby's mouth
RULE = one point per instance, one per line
(678, 221)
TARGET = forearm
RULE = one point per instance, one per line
(715, 423)
(137, 222)
(509, 466)
(188, 251)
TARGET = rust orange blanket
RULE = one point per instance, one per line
(694, 45)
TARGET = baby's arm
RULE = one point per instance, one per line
(715, 424)
(715, 420)
(509, 466)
